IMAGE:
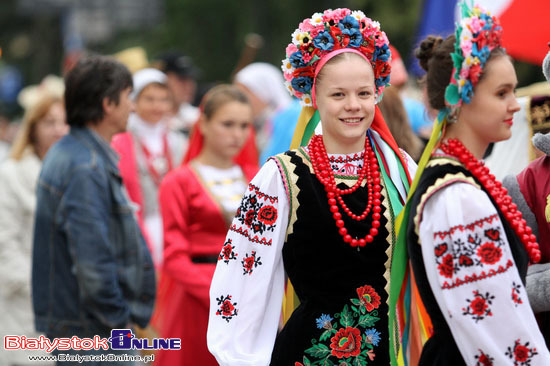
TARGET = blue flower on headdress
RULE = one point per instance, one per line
(381, 53)
(372, 336)
(355, 37)
(347, 23)
(467, 92)
(488, 21)
(382, 80)
(296, 60)
(323, 321)
(302, 84)
(324, 41)
(482, 54)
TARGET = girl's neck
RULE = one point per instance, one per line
(207, 157)
(468, 138)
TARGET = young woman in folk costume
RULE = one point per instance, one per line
(198, 201)
(468, 244)
(323, 213)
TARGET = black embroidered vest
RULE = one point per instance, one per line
(343, 311)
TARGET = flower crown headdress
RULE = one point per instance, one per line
(476, 36)
(330, 31)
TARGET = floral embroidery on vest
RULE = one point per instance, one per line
(343, 338)
(227, 253)
(478, 308)
(227, 309)
(521, 354)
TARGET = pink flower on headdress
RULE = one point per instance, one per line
(306, 26)
(382, 39)
(288, 76)
(328, 15)
(464, 72)
(476, 24)
(335, 15)
(466, 46)
(306, 57)
(291, 48)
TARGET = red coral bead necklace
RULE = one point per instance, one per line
(500, 195)
(323, 172)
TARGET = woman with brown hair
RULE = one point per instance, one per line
(197, 202)
(43, 124)
(467, 242)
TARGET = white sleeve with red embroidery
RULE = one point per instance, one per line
(473, 276)
(247, 289)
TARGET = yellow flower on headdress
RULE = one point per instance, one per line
(468, 61)
(298, 36)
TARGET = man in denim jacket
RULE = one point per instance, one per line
(92, 270)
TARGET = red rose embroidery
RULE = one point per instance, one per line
(227, 251)
(249, 218)
(521, 353)
(465, 261)
(489, 254)
(484, 360)
(346, 343)
(493, 234)
(479, 306)
(368, 297)
(227, 308)
(248, 263)
(440, 249)
(268, 215)
(446, 267)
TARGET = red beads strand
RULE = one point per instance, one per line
(323, 172)
(500, 194)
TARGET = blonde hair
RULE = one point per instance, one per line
(26, 135)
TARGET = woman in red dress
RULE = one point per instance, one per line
(197, 202)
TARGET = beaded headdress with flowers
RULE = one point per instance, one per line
(477, 34)
(326, 32)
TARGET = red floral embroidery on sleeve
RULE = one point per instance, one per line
(484, 359)
(470, 246)
(227, 253)
(250, 262)
(257, 214)
(521, 354)
(516, 291)
(478, 308)
(227, 309)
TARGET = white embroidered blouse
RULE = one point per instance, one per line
(471, 271)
